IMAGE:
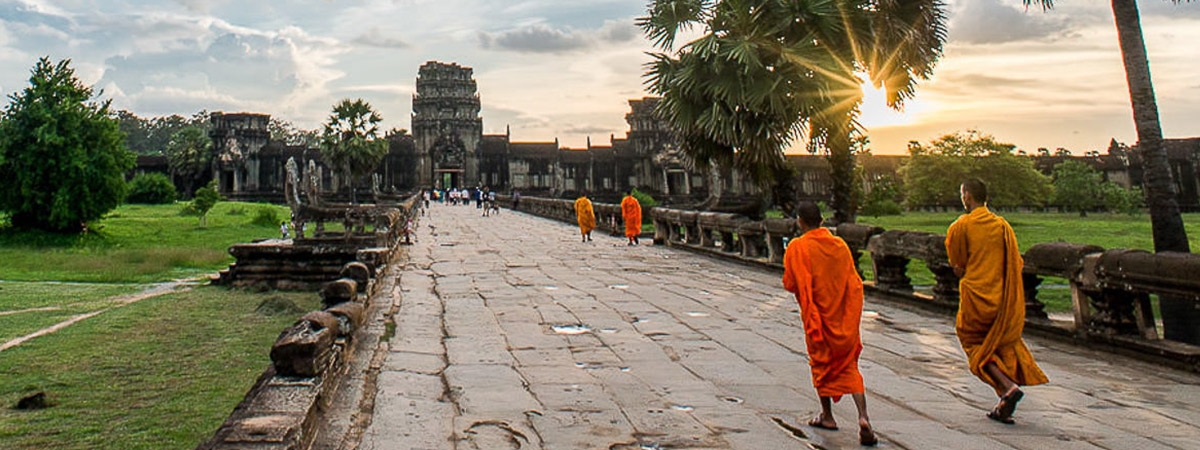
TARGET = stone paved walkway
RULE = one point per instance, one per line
(513, 334)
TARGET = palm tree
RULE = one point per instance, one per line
(350, 141)
(1181, 321)
(768, 72)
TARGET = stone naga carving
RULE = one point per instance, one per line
(313, 188)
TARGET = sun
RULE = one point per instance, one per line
(875, 113)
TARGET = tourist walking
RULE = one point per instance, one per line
(516, 197)
(819, 269)
(631, 211)
(585, 216)
(982, 249)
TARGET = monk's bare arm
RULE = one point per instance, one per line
(956, 249)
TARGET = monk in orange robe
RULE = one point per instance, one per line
(991, 311)
(586, 217)
(631, 210)
(820, 270)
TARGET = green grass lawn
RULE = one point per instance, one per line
(30, 306)
(135, 244)
(164, 372)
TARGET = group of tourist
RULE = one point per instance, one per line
(820, 270)
(483, 196)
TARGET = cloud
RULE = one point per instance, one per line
(538, 38)
(587, 129)
(542, 38)
(1000, 21)
(376, 38)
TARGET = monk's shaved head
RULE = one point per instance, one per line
(977, 189)
(809, 214)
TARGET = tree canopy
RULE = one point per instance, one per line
(62, 156)
(932, 174)
(190, 156)
(765, 73)
(350, 141)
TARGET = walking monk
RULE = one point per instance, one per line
(819, 269)
(586, 217)
(631, 210)
(991, 310)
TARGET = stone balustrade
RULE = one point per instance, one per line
(1110, 290)
(309, 360)
(370, 235)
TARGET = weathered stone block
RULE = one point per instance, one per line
(304, 349)
(338, 291)
(349, 315)
(359, 272)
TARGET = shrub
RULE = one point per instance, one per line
(266, 216)
(151, 189)
(881, 207)
(644, 199)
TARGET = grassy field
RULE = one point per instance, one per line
(135, 244)
(29, 306)
(160, 373)
(163, 372)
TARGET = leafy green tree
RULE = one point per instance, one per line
(1120, 200)
(189, 154)
(350, 143)
(1076, 186)
(764, 73)
(206, 197)
(932, 174)
(150, 189)
(62, 157)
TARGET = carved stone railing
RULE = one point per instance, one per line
(370, 235)
(891, 252)
(1110, 290)
(309, 361)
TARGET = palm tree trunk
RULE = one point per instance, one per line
(841, 170)
(1181, 321)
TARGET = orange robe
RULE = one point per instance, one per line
(632, 211)
(819, 269)
(991, 308)
(585, 215)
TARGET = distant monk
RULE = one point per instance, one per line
(820, 270)
(632, 211)
(991, 310)
(587, 217)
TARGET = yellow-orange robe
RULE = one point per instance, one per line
(632, 212)
(991, 308)
(819, 269)
(585, 215)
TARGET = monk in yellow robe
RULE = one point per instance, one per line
(631, 210)
(586, 217)
(991, 311)
(820, 270)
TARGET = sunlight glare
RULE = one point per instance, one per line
(874, 111)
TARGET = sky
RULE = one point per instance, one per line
(565, 69)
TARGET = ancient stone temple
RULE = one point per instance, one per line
(446, 127)
(447, 148)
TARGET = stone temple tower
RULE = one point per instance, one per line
(446, 126)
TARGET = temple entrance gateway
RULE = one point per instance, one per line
(448, 178)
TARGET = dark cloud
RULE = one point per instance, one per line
(538, 38)
(376, 38)
(542, 38)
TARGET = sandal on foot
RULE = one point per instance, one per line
(1003, 412)
(815, 422)
(866, 437)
